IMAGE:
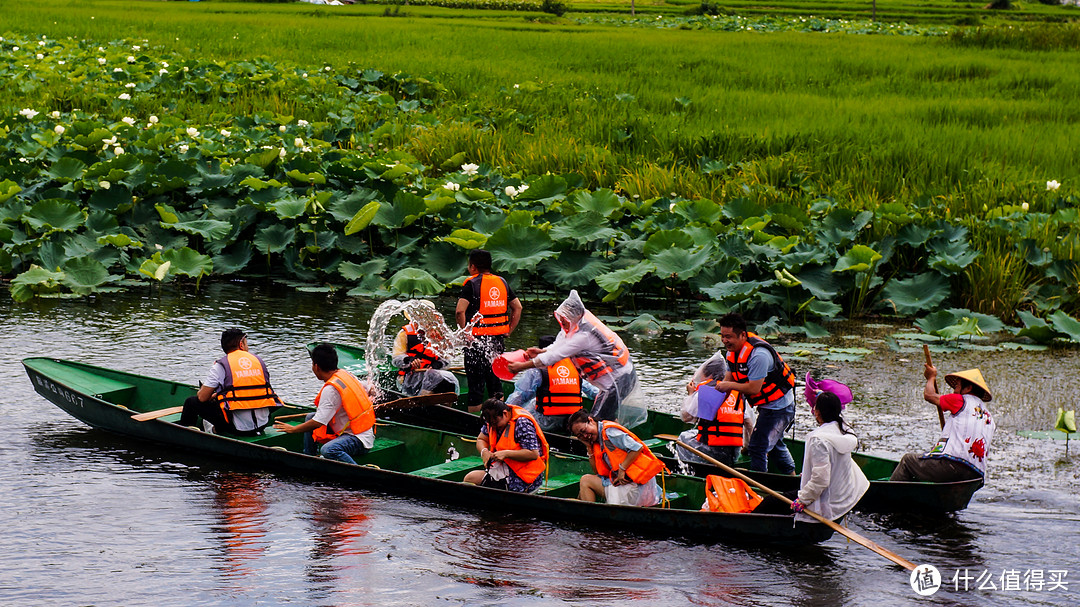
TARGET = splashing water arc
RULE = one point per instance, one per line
(445, 341)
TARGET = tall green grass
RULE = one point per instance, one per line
(866, 118)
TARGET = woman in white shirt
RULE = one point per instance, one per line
(831, 482)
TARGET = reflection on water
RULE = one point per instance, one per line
(130, 523)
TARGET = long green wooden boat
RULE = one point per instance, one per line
(405, 459)
(883, 496)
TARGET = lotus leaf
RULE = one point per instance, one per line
(824, 309)
(736, 291)
(583, 228)
(966, 326)
(682, 262)
(814, 330)
(915, 235)
(120, 241)
(645, 324)
(235, 259)
(666, 239)
(289, 207)
(67, 169)
(259, 185)
(8, 189)
(516, 248)
(352, 271)
(1035, 328)
(414, 282)
(209, 229)
(54, 215)
(604, 201)
(911, 296)
(83, 275)
(188, 262)
(572, 269)
(860, 258)
(735, 246)
(307, 178)
(362, 218)
(741, 209)
(547, 188)
(1033, 253)
(952, 256)
(274, 239)
(614, 282)
(699, 211)
(445, 261)
(1066, 324)
(842, 225)
(35, 281)
(466, 239)
(932, 323)
(405, 209)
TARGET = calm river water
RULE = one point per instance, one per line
(98, 519)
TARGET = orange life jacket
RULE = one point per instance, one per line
(726, 430)
(729, 495)
(560, 391)
(494, 305)
(645, 465)
(613, 354)
(526, 471)
(247, 384)
(355, 401)
(417, 349)
(777, 383)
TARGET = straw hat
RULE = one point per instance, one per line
(975, 377)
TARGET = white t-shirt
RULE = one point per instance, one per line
(244, 419)
(331, 414)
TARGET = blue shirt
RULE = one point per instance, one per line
(759, 366)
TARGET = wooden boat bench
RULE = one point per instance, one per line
(109, 390)
(556, 486)
(454, 470)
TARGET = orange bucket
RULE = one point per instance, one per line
(500, 365)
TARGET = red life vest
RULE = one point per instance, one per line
(729, 495)
(644, 467)
(494, 305)
(247, 384)
(417, 349)
(526, 471)
(560, 391)
(355, 401)
(777, 383)
(612, 356)
(727, 429)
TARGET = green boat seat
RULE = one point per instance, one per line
(454, 470)
(556, 486)
(86, 382)
(678, 501)
(653, 443)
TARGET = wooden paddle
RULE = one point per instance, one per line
(851, 535)
(149, 415)
(940, 413)
(408, 402)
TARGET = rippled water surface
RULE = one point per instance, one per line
(98, 519)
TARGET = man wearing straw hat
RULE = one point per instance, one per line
(960, 454)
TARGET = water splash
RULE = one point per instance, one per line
(446, 342)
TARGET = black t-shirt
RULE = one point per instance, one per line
(470, 291)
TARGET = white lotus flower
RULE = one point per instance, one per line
(281, 129)
(59, 129)
(327, 68)
(153, 120)
(42, 41)
(14, 48)
(129, 85)
(183, 148)
(123, 96)
(118, 150)
(1024, 207)
(523, 187)
(39, 56)
(301, 122)
(162, 72)
(29, 113)
(298, 142)
(136, 48)
(225, 133)
(131, 59)
(450, 185)
(164, 64)
(305, 149)
(128, 120)
(117, 70)
(192, 131)
(304, 75)
(185, 69)
(469, 169)
(109, 141)
(281, 154)
(511, 191)
(1052, 185)
(54, 115)
(104, 185)
(101, 60)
